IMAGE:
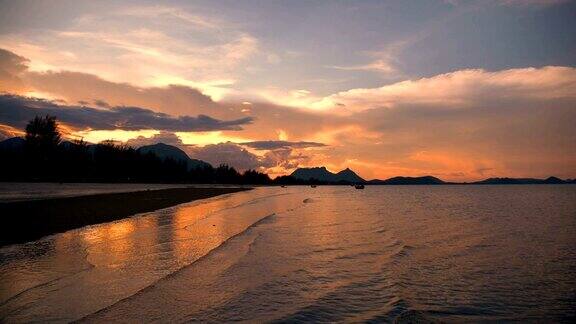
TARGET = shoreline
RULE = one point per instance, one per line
(25, 221)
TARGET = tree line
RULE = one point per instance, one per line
(43, 156)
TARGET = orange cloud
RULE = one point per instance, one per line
(97, 136)
(464, 88)
(142, 49)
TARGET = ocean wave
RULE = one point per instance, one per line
(265, 220)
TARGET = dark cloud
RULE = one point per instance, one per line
(174, 99)
(178, 100)
(284, 158)
(234, 154)
(164, 137)
(227, 153)
(12, 63)
(16, 111)
(11, 66)
(101, 103)
(272, 145)
(76, 86)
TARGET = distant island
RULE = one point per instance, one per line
(347, 176)
(42, 156)
(321, 174)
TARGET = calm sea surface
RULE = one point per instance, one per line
(326, 254)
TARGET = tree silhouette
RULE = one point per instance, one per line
(42, 134)
(41, 149)
(45, 157)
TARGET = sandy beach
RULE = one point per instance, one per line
(25, 221)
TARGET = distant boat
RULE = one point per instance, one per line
(360, 186)
(313, 186)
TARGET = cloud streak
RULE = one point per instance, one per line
(461, 89)
(16, 111)
(150, 45)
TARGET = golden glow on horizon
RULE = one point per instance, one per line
(187, 138)
(97, 136)
(282, 135)
(206, 138)
(41, 95)
(11, 131)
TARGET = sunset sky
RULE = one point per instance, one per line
(458, 89)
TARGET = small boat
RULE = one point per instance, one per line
(313, 186)
(359, 186)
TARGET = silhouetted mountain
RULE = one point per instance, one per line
(554, 180)
(11, 144)
(426, 180)
(550, 180)
(348, 175)
(67, 144)
(165, 151)
(318, 173)
(323, 175)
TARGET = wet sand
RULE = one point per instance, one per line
(25, 221)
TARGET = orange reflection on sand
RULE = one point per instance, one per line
(113, 243)
(107, 232)
(193, 233)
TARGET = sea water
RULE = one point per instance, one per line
(326, 254)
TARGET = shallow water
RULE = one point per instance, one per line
(451, 253)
